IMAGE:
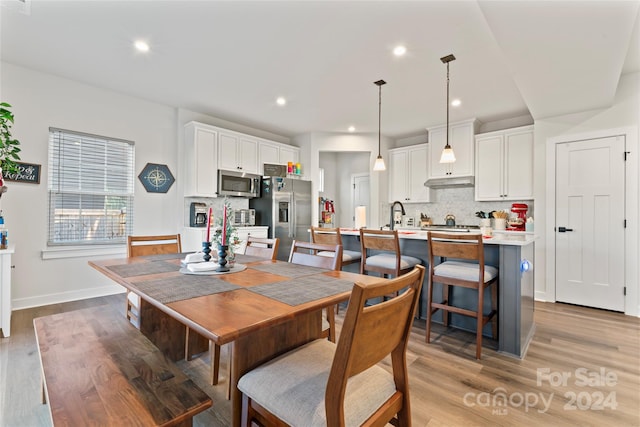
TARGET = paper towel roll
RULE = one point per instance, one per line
(361, 217)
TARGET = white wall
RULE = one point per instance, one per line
(624, 113)
(312, 144)
(41, 101)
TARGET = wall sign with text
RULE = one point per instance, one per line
(27, 172)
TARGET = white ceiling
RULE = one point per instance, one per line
(231, 59)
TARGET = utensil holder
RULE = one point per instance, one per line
(499, 223)
(222, 259)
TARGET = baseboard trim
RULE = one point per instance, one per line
(542, 296)
(40, 300)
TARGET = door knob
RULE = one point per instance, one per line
(564, 229)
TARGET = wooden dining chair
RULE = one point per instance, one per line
(332, 236)
(158, 245)
(472, 273)
(148, 245)
(308, 253)
(325, 384)
(262, 248)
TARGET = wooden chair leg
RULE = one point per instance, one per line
(331, 318)
(230, 358)
(214, 351)
(494, 308)
(429, 311)
(445, 300)
(479, 322)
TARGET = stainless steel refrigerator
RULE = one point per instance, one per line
(285, 207)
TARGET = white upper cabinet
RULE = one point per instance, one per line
(461, 141)
(504, 165)
(407, 174)
(237, 152)
(201, 160)
(289, 154)
(275, 153)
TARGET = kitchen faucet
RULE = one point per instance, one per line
(392, 211)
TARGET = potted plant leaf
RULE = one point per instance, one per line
(9, 146)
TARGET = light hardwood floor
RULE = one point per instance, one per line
(580, 360)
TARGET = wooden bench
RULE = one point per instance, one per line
(97, 369)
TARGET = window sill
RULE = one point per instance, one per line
(82, 251)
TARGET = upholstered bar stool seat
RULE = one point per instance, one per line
(464, 271)
(388, 261)
(348, 257)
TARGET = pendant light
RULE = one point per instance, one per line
(447, 153)
(379, 164)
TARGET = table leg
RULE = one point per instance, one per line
(263, 345)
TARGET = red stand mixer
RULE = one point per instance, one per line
(518, 224)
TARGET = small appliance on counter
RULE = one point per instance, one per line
(198, 215)
(244, 217)
(519, 222)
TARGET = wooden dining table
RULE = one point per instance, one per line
(263, 309)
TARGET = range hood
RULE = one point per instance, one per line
(456, 182)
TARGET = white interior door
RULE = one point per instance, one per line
(590, 223)
(361, 191)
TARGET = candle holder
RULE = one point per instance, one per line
(206, 248)
(222, 261)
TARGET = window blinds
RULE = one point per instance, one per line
(91, 184)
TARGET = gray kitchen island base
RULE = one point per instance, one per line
(513, 258)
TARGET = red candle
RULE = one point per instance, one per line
(209, 225)
(224, 225)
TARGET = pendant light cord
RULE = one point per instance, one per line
(447, 104)
(379, 114)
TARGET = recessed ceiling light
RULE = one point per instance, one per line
(281, 101)
(141, 45)
(456, 103)
(352, 129)
(399, 50)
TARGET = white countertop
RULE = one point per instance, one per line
(513, 238)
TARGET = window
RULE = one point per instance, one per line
(91, 181)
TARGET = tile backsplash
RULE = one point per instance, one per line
(457, 201)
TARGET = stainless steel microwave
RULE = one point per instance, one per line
(238, 184)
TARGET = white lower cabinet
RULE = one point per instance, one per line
(407, 174)
(504, 165)
(5, 290)
(244, 233)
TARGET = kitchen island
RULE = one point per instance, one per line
(513, 254)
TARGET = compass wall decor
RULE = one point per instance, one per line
(156, 178)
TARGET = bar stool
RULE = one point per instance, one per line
(387, 259)
(331, 236)
(471, 273)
